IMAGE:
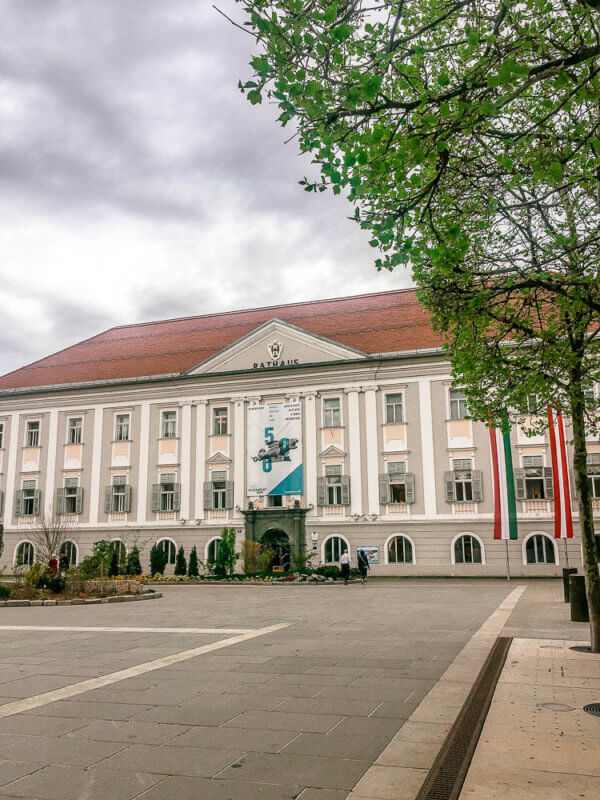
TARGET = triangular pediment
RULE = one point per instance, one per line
(332, 451)
(218, 458)
(276, 345)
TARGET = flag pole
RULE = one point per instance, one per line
(507, 561)
(566, 553)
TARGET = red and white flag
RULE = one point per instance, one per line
(563, 521)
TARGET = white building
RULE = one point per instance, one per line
(154, 431)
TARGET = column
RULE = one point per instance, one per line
(427, 454)
(310, 451)
(51, 463)
(354, 445)
(142, 492)
(372, 449)
(96, 465)
(200, 458)
(185, 456)
(239, 453)
(11, 470)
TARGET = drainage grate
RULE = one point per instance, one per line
(581, 648)
(449, 769)
(593, 708)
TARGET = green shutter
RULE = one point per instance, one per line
(208, 496)
(108, 499)
(409, 487)
(548, 484)
(127, 498)
(176, 496)
(477, 485)
(228, 494)
(60, 500)
(345, 490)
(37, 496)
(155, 497)
(79, 500)
(520, 484)
(19, 503)
(321, 491)
(384, 489)
(450, 487)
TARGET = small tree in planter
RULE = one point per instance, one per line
(158, 560)
(180, 562)
(102, 552)
(134, 565)
(193, 563)
(226, 555)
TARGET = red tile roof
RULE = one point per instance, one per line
(373, 323)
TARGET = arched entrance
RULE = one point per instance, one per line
(279, 542)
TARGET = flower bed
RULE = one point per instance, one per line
(42, 588)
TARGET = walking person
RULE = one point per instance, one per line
(345, 566)
(363, 565)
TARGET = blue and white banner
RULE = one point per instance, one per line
(274, 449)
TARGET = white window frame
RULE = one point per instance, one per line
(166, 493)
(329, 414)
(119, 425)
(334, 485)
(461, 403)
(38, 433)
(168, 426)
(70, 428)
(220, 421)
(175, 548)
(324, 542)
(464, 563)
(122, 483)
(539, 563)
(207, 547)
(75, 545)
(16, 550)
(73, 490)
(464, 479)
(533, 477)
(394, 406)
(399, 563)
(32, 498)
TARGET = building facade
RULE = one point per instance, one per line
(329, 425)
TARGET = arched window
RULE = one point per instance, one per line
(24, 554)
(539, 549)
(212, 549)
(68, 551)
(400, 550)
(119, 546)
(333, 549)
(467, 550)
(169, 547)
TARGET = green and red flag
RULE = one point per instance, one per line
(563, 519)
(505, 507)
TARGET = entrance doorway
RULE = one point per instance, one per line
(279, 542)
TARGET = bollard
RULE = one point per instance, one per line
(579, 605)
(566, 574)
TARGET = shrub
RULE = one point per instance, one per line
(250, 554)
(88, 569)
(102, 551)
(329, 571)
(226, 555)
(5, 591)
(158, 560)
(114, 564)
(265, 558)
(180, 562)
(134, 565)
(42, 577)
(193, 565)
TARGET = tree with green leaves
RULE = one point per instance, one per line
(134, 565)
(180, 562)
(113, 568)
(226, 555)
(158, 560)
(193, 563)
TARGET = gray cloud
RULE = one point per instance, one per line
(136, 182)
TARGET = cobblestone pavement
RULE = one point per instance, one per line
(302, 711)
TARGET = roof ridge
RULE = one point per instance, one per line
(261, 308)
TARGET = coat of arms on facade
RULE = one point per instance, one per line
(275, 349)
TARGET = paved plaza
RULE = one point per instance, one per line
(269, 692)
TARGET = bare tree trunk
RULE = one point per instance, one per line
(586, 518)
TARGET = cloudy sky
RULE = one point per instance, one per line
(137, 183)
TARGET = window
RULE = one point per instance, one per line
(458, 404)
(212, 550)
(463, 484)
(534, 477)
(167, 492)
(532, 404)
(118, 546)
(24, 555)
(394, 408)
(169, 548)
(399, 550)
(119, 494)
(332, 415)
(334, 547)
(71, 496)
(122, 427)
(30, 503)
(333, 479)
(219, 489)
(68, 553)
(74, 430)
(1, 435)
(593, 471)
(274, 501)
(168, 428)
(397, 480)
(539, 549)
(220, 421)
(32, 438)
(467, 550)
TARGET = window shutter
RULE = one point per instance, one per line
(60, 500)
(345, 490)
(155, 497)
(108, 499)
(79, 500)
(228, 494)
(384, 489)
(321, 491)
(409, 484)
(477, 485)
(520, 484)
(176, 496)
(127, 498)
(36, 502)
(19, 503)
(450, 487)
(208, 496)
(548, 484)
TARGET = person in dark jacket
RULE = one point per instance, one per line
(363, 565)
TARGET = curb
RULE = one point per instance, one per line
(119, 598)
